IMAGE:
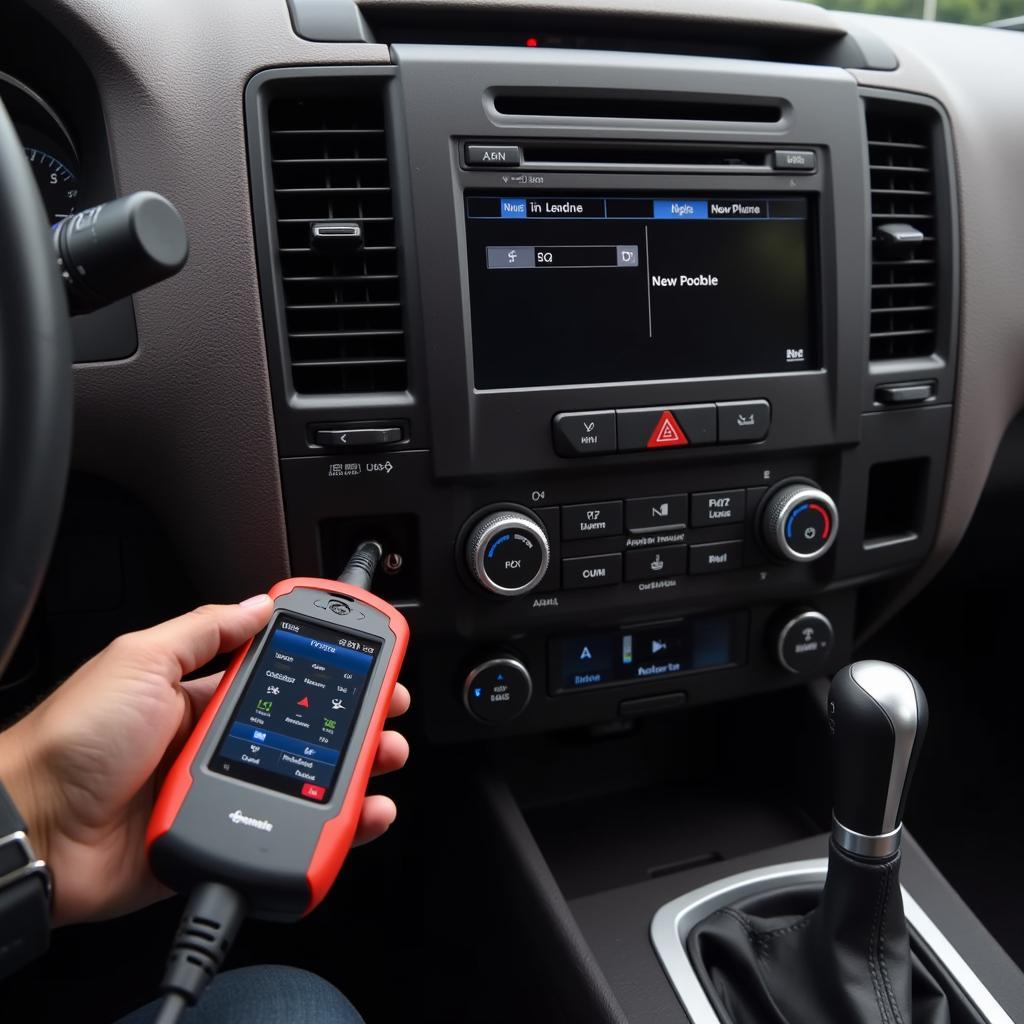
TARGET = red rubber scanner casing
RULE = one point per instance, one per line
(179, 862)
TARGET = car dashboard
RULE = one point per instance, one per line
(664, 347)
(793, 198)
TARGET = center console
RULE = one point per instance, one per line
(639, 365)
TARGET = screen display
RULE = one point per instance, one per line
(648, 653)
(290, 729)
(589, 289)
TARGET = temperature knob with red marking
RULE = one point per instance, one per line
(800, 522)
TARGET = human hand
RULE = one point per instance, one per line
(84, 767)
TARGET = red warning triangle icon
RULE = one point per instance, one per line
(304, 703)
(668, 433)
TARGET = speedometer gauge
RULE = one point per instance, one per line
(48, 146)
(57, 178)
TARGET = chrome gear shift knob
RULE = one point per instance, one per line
(877, 717)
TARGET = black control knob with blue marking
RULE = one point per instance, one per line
(508, 553)
(800, 522)
(497, 690)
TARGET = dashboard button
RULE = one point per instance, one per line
(591, 571)
(721, 557)
(905, 394)
(712, 508)
(653, 562)
(744, 421)
(794, 159)
(585, 433)
(674, 426)
(804, 643)
(598, 519)
(497, 690)
(359, 437)
(652, 515)
(493, 156)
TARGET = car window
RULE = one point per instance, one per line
(968, 12)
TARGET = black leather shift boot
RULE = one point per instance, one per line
(779, 959)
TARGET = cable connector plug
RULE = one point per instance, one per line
(362, 565)
(208, 927)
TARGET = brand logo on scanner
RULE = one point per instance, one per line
(238, 818)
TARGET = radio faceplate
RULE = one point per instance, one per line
(475, 380)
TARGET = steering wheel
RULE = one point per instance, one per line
(35, 390)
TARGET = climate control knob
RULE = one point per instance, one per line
(800, 522)
(508, 553)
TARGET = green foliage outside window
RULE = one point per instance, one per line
(969, 12)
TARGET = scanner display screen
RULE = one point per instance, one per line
(291, 726)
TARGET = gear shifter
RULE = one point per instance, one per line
(767, 959)
(877, 717)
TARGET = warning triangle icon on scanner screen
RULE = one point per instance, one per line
(667, 433)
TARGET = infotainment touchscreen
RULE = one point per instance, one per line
(588, 289)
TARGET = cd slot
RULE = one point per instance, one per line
(639, 107)
(644, 156)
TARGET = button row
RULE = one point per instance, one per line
(651, 563)
(656, 514)
(605, 431)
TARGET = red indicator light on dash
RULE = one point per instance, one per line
(311, 792)
(532, 41)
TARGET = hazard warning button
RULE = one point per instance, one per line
(675, 426)
(667, 433)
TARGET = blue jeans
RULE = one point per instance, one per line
(263, 995)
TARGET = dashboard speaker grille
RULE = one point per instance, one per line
(342, 300)
(904, 273)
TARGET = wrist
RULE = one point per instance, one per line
(20, 774)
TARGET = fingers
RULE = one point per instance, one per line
(378, 814)
(392, 753)
(400, 701)
(191, 640)
(200, 691)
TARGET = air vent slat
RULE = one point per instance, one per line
(912, 333)
(343, 306)
(339, 278)
(357, 220)
(890, 144)
(324, 363)
(326, 131)
(901, 215)
(333, 160)
(901, 309)
(900, 170)
(900, 284)
(348, 334)
(366, 248)
(904, 276)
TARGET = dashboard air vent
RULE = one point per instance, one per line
(904, 259)
(341, 291)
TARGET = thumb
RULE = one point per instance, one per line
(191, 640)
